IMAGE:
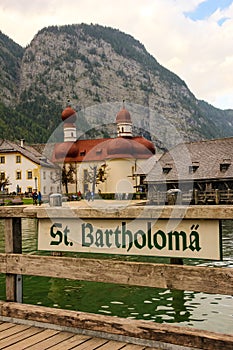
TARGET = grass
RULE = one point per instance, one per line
(27, 201)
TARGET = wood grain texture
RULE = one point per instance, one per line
(146, 330)
(205, 279)
(131, 211)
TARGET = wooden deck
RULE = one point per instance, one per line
(20, 336)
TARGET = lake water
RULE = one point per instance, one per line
(185, 308)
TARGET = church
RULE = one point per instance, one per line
(106, 166)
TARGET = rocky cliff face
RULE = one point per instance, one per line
(10, 59)
(93, 65)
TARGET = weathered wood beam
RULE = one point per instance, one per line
(84, 322)
(132, 212)
(13, 244)
(16, 211)
(201, 279)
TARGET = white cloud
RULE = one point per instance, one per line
(200, 52)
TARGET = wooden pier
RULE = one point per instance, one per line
(38, 326)
(21, 336)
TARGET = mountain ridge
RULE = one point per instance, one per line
(92, 64)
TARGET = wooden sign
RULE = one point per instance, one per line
(199, 239)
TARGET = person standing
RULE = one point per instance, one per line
(39, 198)
(34, 197)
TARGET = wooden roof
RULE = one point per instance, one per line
(201, 160)
(27, 151)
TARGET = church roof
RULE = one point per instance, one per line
(104, 148)
(68, 115)
(123, 116)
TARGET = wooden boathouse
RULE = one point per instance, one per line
(25, 326)
(202, 170)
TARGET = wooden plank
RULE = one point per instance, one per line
(114, 345)
(134, 347)
(12, 329)
(54, 340)
(5, 325)
(70, 343)
(10, 279)
(92, 344)
(133, 211)
(16, 211)
(34, 339)
(13, 244)
(194, 278)
(166, 333)
(15, 338)
(2, 263)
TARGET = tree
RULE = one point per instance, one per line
(4, 181)
(96, 175)
(67, 176)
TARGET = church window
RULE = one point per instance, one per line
(2, 175)
(2, 159)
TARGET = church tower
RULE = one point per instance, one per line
(124, 123)
(69, 117)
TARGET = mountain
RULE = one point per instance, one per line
(94, 65)
(11, 55)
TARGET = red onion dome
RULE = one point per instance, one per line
(120, 147)
(123, 116)
(142, 145)
(69, 115)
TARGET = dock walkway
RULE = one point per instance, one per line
(27, 326)
(20, 336)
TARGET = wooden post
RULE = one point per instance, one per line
(196, 196)
(13, 244)
(217, 196)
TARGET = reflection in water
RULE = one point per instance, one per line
(200, 310)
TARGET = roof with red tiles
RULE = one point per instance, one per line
(104, 148)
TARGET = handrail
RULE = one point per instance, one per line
(205, 279)
(195, 196)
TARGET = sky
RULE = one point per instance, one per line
(192, 38)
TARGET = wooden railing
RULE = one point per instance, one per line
(193, 197)
(206, 279)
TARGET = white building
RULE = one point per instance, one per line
(26, 169)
